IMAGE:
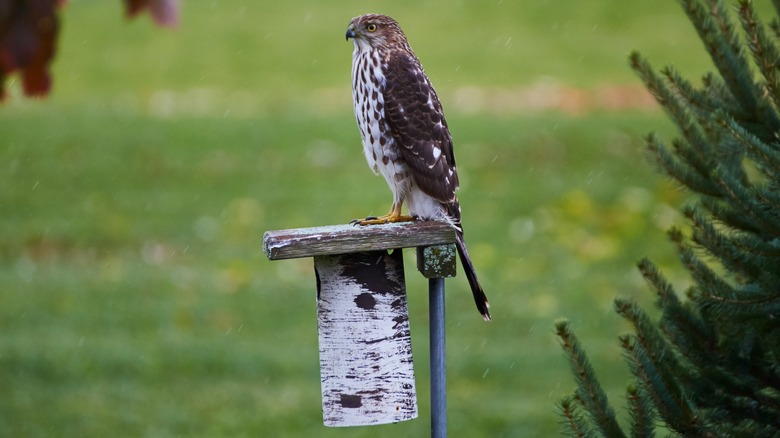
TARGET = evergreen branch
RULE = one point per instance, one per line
(645, 72)
(766, 156)
(722, 98)
(755, 248)
(663, 289)
(749, 204)
(700, 102)
(708, 282)
(722, 247)
(681, 172)
(715, 294)
(752, 429)
(730, 158)
(732, 252)
(758, 105)
(573, 422)
(768, 249)
(658, 350)
(642, 413)
(770, 196)
(690, 336)
(716, 32)
(717, 90)
(764, 51)
(774, 23)
(754, 407)
(741, 399)
(589, 391)
(648, 335)
(764, 109)
(750, 304)
(722, 21)
(775, 26)
(719, 381)
(728, 215)
(720, 39)
(697, 153)
(771, 365)
(700, 161)
(667, 398)
(676, 318)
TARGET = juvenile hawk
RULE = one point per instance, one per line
(405, 136)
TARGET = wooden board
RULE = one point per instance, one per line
(343, 239)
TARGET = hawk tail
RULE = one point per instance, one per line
(471, 274)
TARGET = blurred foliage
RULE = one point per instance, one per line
(135, 298)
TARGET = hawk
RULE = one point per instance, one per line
(405, 136)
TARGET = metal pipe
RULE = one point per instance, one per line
(438, 358)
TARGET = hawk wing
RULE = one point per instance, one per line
(415, 118)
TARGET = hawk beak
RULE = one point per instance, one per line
(350, 34)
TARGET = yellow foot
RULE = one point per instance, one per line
(386, 219)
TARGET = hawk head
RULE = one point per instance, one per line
(374, 31)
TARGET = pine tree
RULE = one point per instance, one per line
(710, 365)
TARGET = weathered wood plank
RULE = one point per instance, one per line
(344, 239)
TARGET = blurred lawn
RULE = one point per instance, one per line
(135, 300)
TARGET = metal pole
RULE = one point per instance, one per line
(438, 358)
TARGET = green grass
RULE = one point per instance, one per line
(135, 299)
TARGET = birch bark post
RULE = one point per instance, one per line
(365, 343)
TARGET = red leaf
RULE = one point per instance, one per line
(163, 12)
(28, 35)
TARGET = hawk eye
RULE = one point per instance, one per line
(371, 27)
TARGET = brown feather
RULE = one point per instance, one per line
(414, 125)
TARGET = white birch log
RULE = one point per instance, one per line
(365, 345)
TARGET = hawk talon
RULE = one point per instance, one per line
(392, 217)
(360, 221)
